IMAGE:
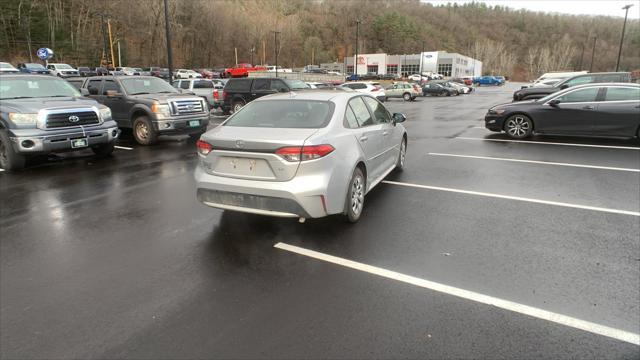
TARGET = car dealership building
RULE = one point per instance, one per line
(441, 62)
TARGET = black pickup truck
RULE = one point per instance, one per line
(149, 106)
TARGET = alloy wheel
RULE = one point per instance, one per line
(357, 195)
(403, 152)
(142, 131)
(518, 126)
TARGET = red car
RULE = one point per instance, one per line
(242, 70)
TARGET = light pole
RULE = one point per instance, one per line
(168, 34)
(253, 49)
(355, 64)
(275, 40)
(624, 24)
(593, 53)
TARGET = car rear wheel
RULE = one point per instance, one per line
(354, 203)
(237, 105)
(9, 159)
(143, 131)
(402, 155)
(518, 126)
(406, 97)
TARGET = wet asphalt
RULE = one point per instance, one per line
(115, 258)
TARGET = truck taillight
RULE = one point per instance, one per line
(215, 94)
(303, 153)
(204, 148)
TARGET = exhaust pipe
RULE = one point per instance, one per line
(302, 220)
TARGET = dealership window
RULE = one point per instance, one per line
(349, 69)
(392, 69)
(372, 69)
(444, 69)
(410, 69)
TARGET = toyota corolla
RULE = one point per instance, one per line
(300, 155)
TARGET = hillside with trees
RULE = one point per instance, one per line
(206, 33)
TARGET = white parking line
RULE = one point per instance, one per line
(123, 147)
(538, 162)
(565, 320)
(517, 198)
(550, 143)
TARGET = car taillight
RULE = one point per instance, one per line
(303, 153)
(215, 94)
(204, 148)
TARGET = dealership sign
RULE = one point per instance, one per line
(44, 53)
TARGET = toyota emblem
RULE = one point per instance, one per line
(239, 144)
(74, 119)
(190, 107)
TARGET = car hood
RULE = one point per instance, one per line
(36, 104)
(162, 97)
(525, 103)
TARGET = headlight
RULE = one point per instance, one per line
(105, 114)
(23, 119)
(497, 111)
(162, 109)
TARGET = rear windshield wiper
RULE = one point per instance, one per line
(140, 93)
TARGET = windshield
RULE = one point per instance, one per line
(297, 84)
(32, 87)
(5, 66)
(146, 85)
(293, 114)
(63, 66)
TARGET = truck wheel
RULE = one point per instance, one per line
(9, 159)
(143, 131)
(237, 105)
(103, 150)
(406, 97)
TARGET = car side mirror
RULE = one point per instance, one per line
(564, 86)
(399, 117)
(112, 93)
(554, 102)
(84, 92)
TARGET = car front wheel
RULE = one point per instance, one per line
(402, 155)
(143, 131)
(518, 126)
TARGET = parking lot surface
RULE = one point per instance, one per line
(115, 258)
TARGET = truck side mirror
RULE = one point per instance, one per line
(84, 92)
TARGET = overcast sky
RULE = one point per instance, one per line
(574, 7)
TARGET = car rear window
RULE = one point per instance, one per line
(622, 94)
(293, 114)
(238, 85)
(202, 84)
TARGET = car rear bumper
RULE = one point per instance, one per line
(302, 196)
(31, 141)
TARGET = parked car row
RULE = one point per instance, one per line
(537, 92)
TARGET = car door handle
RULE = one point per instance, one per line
(588, 107)
(363, 139)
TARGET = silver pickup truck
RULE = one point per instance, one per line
(211, 90)
(42, 114)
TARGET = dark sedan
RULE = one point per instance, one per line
(436, 89)
(33, 68)
(537, 92)
(607, 110)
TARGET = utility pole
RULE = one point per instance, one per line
(593, 53)
(421, 59)
(168, 34)
(113, 60)
(104, 41)
(252, 50)
(275, 40)
(264, 52)
(355, 63)
(119, 57)
(624, 24)
(581, 56)
(235, 49)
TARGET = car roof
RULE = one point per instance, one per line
(121, 77)
(30, 76)
(604, 84)
(318, 95)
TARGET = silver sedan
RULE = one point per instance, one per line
(302, 155)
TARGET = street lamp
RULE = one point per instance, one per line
(626, 12)
(168, 34)
(355, 64)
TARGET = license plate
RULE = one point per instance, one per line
(194, 123)
(78, 143)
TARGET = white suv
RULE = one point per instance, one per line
(186, 74)
(62, 70)
(368, 87)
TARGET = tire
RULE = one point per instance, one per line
(9, 159)
(143, 131)
(402, 155)
(237, 105)
(354, 202)
(406, 97)
(518, 126)
(103, 150)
